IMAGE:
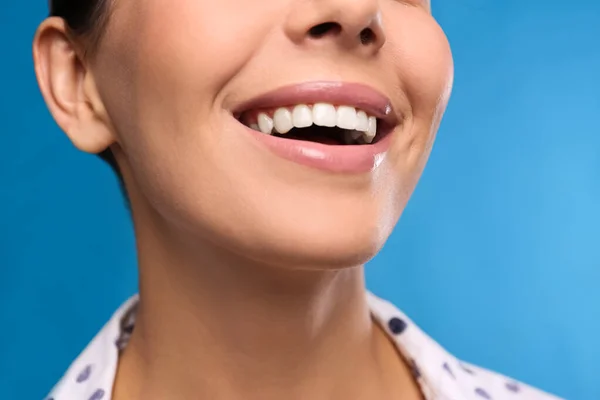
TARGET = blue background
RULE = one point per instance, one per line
(497, 255)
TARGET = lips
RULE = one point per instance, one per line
(340, 93)
(291, 122)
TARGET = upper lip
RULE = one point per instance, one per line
(357, 95)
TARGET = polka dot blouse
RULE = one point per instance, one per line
(440, 375)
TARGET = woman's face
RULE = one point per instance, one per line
(176, 78)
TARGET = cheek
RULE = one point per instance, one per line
(162, 69)
(201, 43)
(427, 66)
(423, 59)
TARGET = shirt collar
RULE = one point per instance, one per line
(440, 375)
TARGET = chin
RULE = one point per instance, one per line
(327, 245)
(329, 254)
(316, 222)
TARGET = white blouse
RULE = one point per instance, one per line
(440, 375)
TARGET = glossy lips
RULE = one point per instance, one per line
(363, 100)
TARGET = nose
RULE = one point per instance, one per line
(351, 24)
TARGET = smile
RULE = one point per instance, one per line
(334, 126)
(320, 122)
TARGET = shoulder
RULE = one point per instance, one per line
(498, 386)
(441, 375)
(91, 376)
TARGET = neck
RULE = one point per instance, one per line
(214, 325)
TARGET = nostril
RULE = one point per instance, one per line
(325, 28)
(367, 36)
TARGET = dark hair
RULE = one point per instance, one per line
(87, 19)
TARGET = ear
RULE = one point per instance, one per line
(69, 89)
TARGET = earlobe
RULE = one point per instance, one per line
(68, 88)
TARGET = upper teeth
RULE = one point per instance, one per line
(321, 114)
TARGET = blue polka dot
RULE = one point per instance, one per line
(397, 326)
(466, 369)
(513, 387)
(483, 394)
(84, 374)
(447, 368)
(97, 395)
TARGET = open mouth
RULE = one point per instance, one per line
(319, 122)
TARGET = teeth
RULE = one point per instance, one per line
(265, 123)
(283, 120)
(372, 126)
(349, 137)
(362, 121)
(346, 117)
(356, 134)
(358, 126)
(302, 116)
(324, 115)
(371, 131)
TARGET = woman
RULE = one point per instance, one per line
(267, 149)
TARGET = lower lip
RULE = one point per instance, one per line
(350, 159)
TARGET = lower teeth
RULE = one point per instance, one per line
(353, 137)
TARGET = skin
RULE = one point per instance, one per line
(243, 293)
